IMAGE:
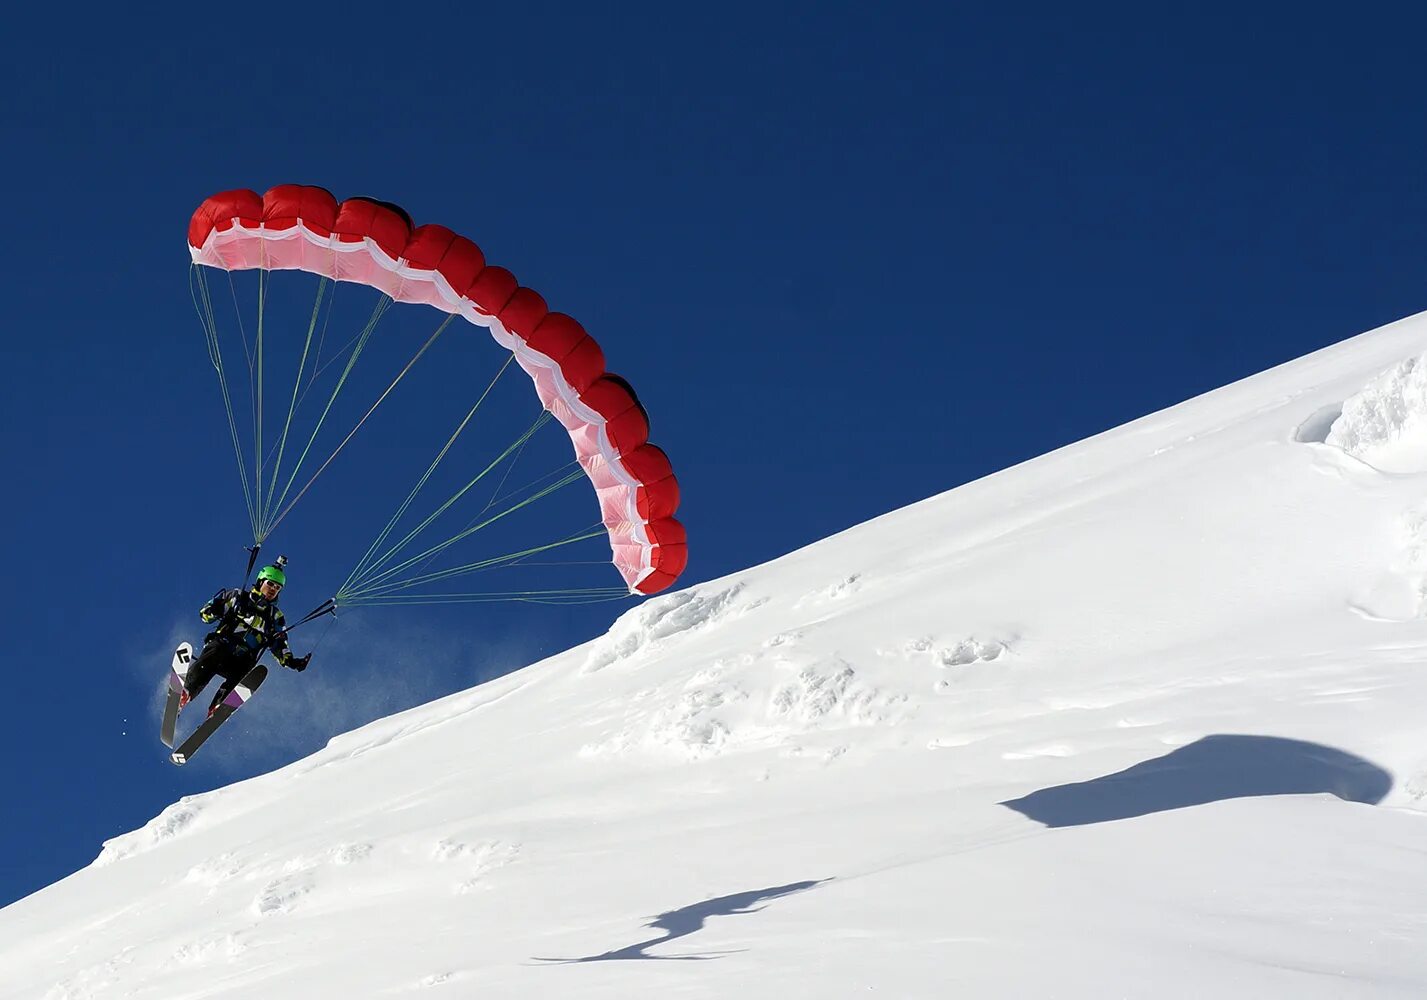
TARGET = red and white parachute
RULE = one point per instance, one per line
(375, 243)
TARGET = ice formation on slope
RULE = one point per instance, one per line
(1385, 425)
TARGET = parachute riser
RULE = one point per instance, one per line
(253, 551)
(327, 607)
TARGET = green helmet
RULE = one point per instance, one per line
(273, 573)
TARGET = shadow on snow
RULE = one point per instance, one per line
(1209, 770)
(690, 919)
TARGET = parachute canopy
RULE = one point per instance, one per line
(374, 243)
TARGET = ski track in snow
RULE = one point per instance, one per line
(226, 948)
(475, 859)
(217, 871)
(93, 982)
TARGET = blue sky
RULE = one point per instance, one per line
(849, 258)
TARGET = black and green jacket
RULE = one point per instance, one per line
(248, 621)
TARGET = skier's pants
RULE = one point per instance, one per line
(229, 662)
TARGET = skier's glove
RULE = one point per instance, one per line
(299, 663)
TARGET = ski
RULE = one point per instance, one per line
(234, 701)
(182, 657)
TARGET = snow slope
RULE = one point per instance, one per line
(1140, 718)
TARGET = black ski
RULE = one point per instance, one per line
(241, 692)
(182, 656)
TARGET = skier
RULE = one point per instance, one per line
(248, 622)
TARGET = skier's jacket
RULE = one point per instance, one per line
(248, 623)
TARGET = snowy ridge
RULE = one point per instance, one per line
(946, 752)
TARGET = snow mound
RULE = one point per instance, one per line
(172, 822)
(1385, 425)
(643, 631)
(772, 698)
